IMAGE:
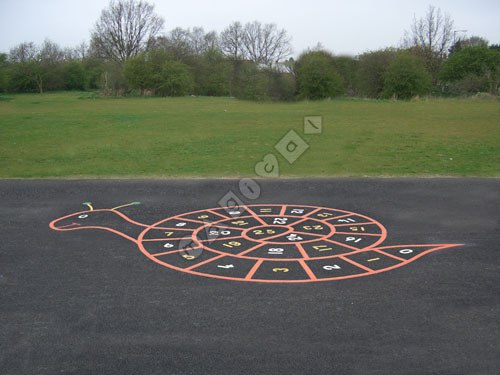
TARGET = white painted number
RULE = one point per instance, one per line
(293, 237)
(226, 266)
(180, 224)
(331, 268)
(346, 220)
(276, 251)
(297, 211)
(280, 220)
(406, 251)
(353, 239)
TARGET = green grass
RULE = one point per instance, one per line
(76, 134)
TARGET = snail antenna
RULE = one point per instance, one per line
(89, 205)
(126, 205)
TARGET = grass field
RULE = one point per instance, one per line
(72, 135)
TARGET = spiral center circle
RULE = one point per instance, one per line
(267, 232)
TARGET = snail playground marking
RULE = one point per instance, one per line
(270, 243)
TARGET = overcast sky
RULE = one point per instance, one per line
(343, 27)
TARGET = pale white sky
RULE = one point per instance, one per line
(344, 27)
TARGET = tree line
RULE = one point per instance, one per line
(129, 55)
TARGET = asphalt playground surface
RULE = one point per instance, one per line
(90, 302)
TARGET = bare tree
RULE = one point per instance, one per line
(431, 36)
(265, 44)
(432, 33)
(51, 53)
(184, 43)
(211, 40)
(125, 28)
(231, 41)
(23, 52)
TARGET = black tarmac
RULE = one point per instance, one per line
(89, 302)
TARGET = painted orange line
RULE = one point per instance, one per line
(340, 217)
(250, 250)
(390, 255)
(69, 225)
(360, 234)
(310, 234)
(191, 220)
(357, 264)
(221, 239)
(171, 228)
(215, 213)
(177, 251)
(165, 239)
(301, 220)
(275, 235)
(216, 226)
(205, 262)
(283, 210)
(354, 224)
(341, 244)
(255, 216)
(303, 252)
(313, 212)
(306, 268)
(254, 269)
(126, 218)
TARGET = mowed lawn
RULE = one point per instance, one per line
(73, 135)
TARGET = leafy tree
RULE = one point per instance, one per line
(139, 72)
(26, 72)
(347, 68)
(406, 78)
(74, 76)
(113, 81)
(36, 68)
(481, 63)
(316, 76)
(3, 72)
(281, 85)
(51, 58)
(94, 69)
(212, 74)
(174, 79)
(473, 41)
(371, 71)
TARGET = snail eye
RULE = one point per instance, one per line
(84, 216)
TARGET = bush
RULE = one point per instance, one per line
(473, 69)
(74, 76)
(406, 78)
(3, 72)
(113, 81)
(316, 76)
(347, 68)
(174, 79)
(371, 71)
(281, 86)
(212, 74)
(139, 73)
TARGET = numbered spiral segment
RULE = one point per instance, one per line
(273, 243)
